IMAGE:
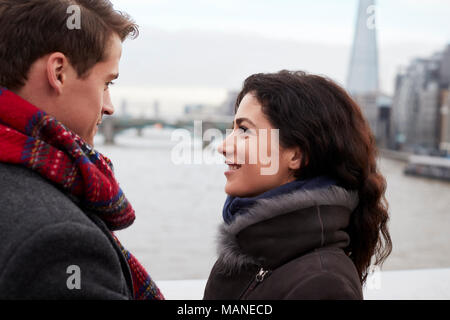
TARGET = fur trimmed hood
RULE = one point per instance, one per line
(276, 230)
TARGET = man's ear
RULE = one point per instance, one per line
(57, 68)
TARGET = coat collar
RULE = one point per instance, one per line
(275, 230)
(235, 206)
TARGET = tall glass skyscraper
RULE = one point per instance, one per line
(363, 69)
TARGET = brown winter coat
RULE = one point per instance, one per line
(288, 247)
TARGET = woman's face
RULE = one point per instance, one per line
(256, 162)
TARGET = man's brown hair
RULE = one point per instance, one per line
(30, 29)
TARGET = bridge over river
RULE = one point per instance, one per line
(111, 126)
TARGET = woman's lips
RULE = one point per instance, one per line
(232, 168)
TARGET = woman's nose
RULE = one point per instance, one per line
(226, 148)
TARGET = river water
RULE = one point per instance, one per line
(178, 209)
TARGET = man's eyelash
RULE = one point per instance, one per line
(108, 84)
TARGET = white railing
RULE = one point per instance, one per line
(421, 284)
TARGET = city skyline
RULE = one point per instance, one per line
(211, 47)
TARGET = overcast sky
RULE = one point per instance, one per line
(201, 48)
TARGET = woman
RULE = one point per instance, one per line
(312, 228)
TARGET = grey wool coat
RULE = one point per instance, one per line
(288, 247)
(44, 234)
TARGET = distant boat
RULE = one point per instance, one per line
(430, 167)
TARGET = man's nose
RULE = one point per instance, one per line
(108, 107)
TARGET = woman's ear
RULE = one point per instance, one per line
(294, 158)
(57, 65)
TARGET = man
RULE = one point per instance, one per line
(59, 200)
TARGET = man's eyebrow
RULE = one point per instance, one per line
(240, 120)
(113, 76)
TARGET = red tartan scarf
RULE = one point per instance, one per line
(32, 138)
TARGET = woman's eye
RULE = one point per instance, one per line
(243, 129)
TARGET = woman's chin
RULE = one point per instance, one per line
(236, 191)
(233, 191)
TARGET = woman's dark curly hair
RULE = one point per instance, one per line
(318, 116)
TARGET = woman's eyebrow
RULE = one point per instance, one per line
(240, 120)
